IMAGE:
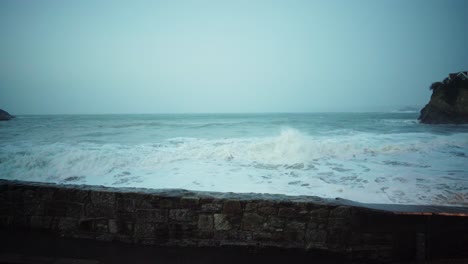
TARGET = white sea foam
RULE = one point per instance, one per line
(416, 167)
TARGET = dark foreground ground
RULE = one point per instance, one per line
(35, 247)
(22, 247)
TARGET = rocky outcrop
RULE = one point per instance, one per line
(448, 104)
(4, 115)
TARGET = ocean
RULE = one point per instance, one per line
(365, 157)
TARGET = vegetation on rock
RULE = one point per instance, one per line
(449, 101)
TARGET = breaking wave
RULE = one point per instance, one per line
(288, 148)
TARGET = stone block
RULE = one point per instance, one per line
(168, 203)
(100, 210)
(32, 208)
(205, 234)
(189, 202)
(267, 210)
(341, 212)
(101, 225)
(102, 197)
(185, 215)
(273, 223)
(40, 222)
(232, 207)
(7, 209)
(338, 223)
(262, 236)
(205, 222)
(214, 207)
(56, 208)
(312, 225)
(67, 224)
(249, 207)
(75, 210)
(113, 226)
(287, 212)
(221, 222)
(181, 230)
(319, 213)
(151, 215)
(125, 216)
(78, 196)
(144, 230)
(338, 238)
(29, 196)
(293, 237)
(295, 226)
(126, 205)
(86, 224)
(20, 221)
(316, 238)
(252, 221)
(161, 232)
(123, 228)
(105, 237)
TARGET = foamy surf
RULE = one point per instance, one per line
(395, 162)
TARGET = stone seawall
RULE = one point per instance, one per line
(205, 219)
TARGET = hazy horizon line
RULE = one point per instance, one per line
(220, 113)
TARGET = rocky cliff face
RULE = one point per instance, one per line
(4, 115)
(448, 104)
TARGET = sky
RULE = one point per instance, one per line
(204, 56)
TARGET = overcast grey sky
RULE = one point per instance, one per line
(226, 56)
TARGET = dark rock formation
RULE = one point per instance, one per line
(4, 115)
(449, 101)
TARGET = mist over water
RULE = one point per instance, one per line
(368, 157)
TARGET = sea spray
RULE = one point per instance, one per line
(385, 158)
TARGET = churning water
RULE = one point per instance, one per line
(368, 157)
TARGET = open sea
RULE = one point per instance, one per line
(366, 157)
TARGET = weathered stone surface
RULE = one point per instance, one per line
(100, 210)
(67, 224)
(181, 218)
(335, 223)
(75, 210)
(232, 207)
(295, 226)
(214, 207)
(249, 207)
(287, 212)
(205, 222)
(56, 208)
(103, 198)
(189, 202)
(151, 215)
(101, 225)
(267, 210)
(252, 221)
(319, 213)
(113, 226)
(144, 230)
(168, 203)
(316, 238)
(126, 205)
(341, 212)
(274, 223)
(41, 222)
(32, 208)
(181, 214)
(221, 222)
